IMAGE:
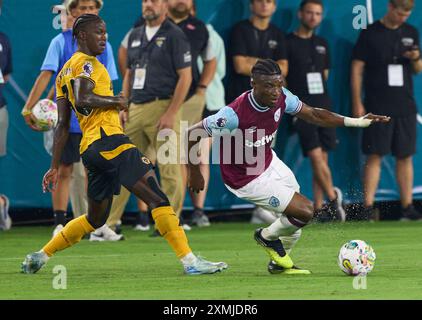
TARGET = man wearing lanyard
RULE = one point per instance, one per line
(309, 64)
(198, 36)
(250, 40)
(388, 53)
(157, 82)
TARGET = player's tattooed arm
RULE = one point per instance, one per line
(325, 118)
(85, 97)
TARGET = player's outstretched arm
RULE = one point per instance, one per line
(85, 97)
(325, 118)
(61, 134)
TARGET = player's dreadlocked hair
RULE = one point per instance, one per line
(266, 67)
(82, 22)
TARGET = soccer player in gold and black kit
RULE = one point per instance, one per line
(110, 157)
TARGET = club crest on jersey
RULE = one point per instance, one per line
(221, 122)
(321, 49)
(272, 44)
(146, 160)
(277, 115)
(159, 41)
(87, 69)
(274, 202)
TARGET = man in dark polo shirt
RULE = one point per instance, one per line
(192, 109)
(253, 39)
(309, 64)
(5, 71)
(385, 57)
(157, 81)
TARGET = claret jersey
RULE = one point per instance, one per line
(251, 129)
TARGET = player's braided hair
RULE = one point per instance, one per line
(82, 22)
(266, 67)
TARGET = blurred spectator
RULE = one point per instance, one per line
(253, 39)
(142, 216)
(122, 55)
(5, 71)
(309, 64)
(214, 101)
(157, 81)
(192, 109)
(60, 50)
(385, 57)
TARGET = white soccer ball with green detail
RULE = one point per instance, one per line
(46, 115)
(356, 257)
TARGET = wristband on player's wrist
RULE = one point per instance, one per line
(26, 112)
(417, 59)
(357, 122)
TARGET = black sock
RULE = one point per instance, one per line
(142, 218)
(198, 210)
(59, 217)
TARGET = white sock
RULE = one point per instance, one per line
(290, 241)
(287, 229)
(45, 256)
(188, 259)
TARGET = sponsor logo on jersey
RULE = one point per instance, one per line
(261, 142)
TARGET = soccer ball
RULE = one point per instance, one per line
(46, 115)
(356, 257)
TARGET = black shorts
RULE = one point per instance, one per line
(312, 137)
(70, 152)
(397, 137)
(111, 162)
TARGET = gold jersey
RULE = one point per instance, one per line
(91, 120)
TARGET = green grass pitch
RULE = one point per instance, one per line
(145, 268)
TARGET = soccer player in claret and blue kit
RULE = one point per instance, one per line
(111, 159)
(251, 170)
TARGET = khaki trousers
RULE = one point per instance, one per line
(193, 108)
(142, 131)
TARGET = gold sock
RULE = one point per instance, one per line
(71, 234)
(168, 225)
